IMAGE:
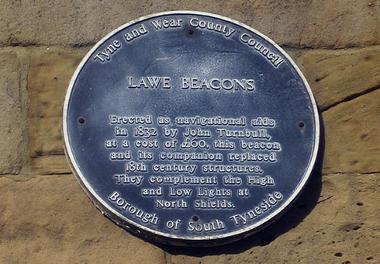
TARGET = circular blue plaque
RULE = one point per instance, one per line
(190, 128)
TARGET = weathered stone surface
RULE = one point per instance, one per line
(333, 75)
(45, 136)
(49, 219)
(308, 23)
(342, 23)
(342, 228)
(12, 119)
(50, 164)
(352, 142)
(338, 74)
(49, 76)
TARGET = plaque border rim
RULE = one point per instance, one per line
(100, 202)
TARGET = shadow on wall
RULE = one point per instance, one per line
(303, 205)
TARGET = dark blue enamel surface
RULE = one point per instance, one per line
(100, 90)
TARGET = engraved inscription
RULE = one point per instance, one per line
(221, 28)
(200, 23)
(272, 57)
(135, 33)
(206, 163)
(105, 54)
(166, 23)
(191, 83)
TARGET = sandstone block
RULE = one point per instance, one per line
(343, 23)
(352, 142)
(49, 219)
(343, 227)
(12, 119)
(49, 76)
(335, 75)
(50, 164)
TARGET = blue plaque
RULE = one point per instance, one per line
(190, 128)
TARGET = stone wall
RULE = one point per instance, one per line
(46, 217)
